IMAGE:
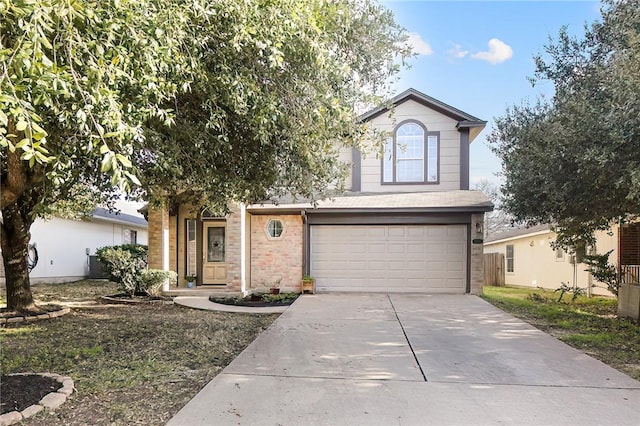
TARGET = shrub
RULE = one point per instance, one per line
(566, 288)
(152, 280)
(598, 265)
(125, 264)
(138, 251)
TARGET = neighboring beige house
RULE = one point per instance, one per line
(530, 260)
(408, 222)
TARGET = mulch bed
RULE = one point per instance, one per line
(18, 392)
(254, 301)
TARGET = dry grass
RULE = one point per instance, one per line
(131, 364)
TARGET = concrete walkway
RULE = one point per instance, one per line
(410, 360)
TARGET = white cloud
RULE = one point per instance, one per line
(498, 52)
(456, 52)
(418, 45)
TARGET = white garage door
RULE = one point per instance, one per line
(393, 258)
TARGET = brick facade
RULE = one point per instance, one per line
(158, 219)
(477, 256)
(276, 262)
(234, 251)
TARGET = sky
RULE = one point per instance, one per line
(476, 56)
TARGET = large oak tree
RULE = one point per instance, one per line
(574, 161)
(238, 99)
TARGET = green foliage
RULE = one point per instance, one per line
(599, 267)
(574, 161)
(281, 297)
(232, 100)
(125, 265)
(139, 251)
(279, 91)
(153, 279)
(566, 288)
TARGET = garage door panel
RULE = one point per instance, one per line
(393, 258)
(416, 231)
(416, 248)
(376, 248)
(373, 231)
(396, 233)
(396, 248)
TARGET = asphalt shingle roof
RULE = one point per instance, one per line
(434, 201)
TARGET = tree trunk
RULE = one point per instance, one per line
(15, 235)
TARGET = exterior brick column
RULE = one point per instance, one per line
(477, 256)
(158, 238)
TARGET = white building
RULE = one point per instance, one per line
(64, 245)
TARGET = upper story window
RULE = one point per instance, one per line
(411, 155)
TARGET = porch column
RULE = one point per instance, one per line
(158, 238)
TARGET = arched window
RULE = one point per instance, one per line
(411, 155)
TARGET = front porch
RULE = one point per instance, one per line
(236, 254)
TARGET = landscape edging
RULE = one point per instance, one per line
(50, 401)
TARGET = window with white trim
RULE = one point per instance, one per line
(559, 254)
(411, 155)
(509, 258)
(275, 229)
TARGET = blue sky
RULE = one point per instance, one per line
(477, 55)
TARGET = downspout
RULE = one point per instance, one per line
(469, 250)
(178, 248)
(306, 254)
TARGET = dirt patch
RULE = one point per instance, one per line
(21, 391)
(138, 298)
(131, 364)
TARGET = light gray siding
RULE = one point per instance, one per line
(449, 162)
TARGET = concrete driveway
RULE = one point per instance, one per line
(360, 359)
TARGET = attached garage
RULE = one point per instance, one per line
(389, 258)
(420, 242)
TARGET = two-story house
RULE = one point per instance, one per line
(408, 222)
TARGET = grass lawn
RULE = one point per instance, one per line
(130, 364)
(588, 324)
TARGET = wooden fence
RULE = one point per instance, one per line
(494, 269)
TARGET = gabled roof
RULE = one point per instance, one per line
(101, 213)
(460, 201)
(519, 232)
(464, 119)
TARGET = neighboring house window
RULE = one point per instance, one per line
(130, 236)
(411, 155)
(275, 229)
(559, 254)
(510, 258)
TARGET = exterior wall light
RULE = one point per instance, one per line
(479, 228)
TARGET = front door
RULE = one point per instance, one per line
(214, 266)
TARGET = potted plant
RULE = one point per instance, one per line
(308, 284)
(191, 280)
